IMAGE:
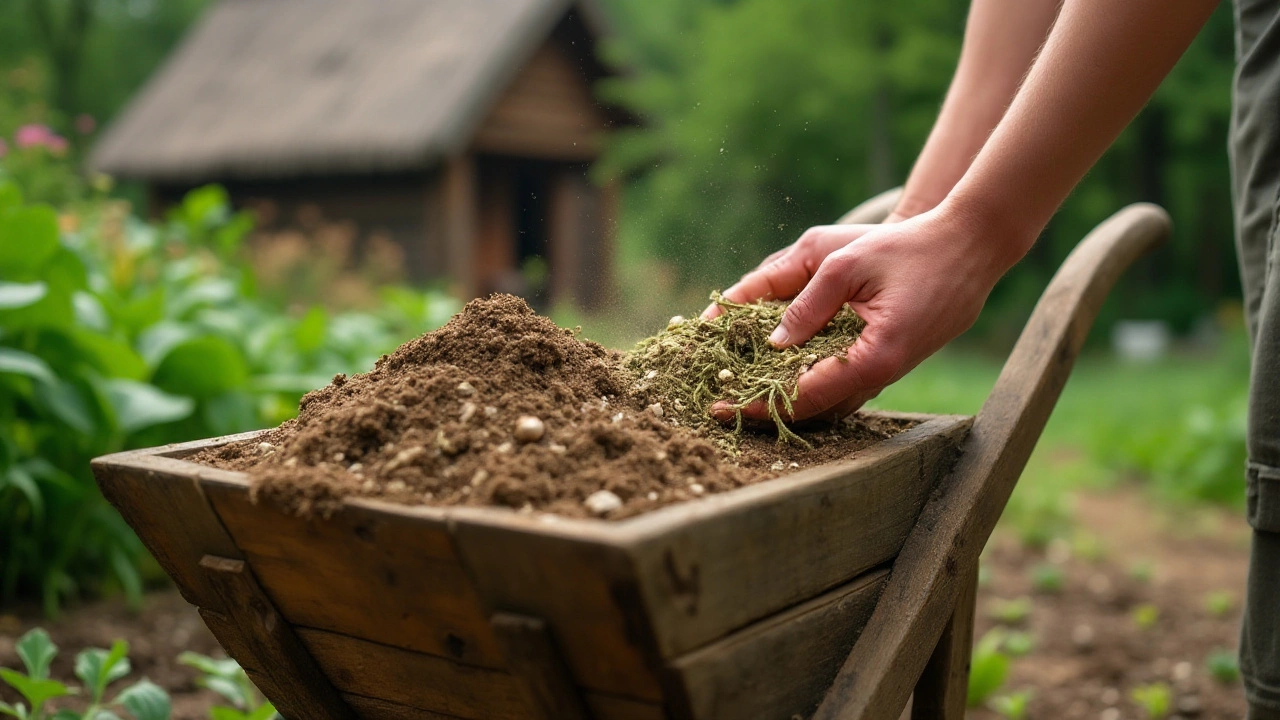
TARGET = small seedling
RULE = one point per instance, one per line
(1154, 699)
(226, 678)
(1018, 644)
(1223, 666)
(1088, 547)
(989, 668)
(1142, 571)
(1047, 578)
(1012, 706)
(96, 668)
(1145, 616)
(1010, 612)
(1219, 603)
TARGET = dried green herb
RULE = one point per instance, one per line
(694, 363)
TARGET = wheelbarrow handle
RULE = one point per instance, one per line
(942, 549)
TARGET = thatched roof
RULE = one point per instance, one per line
(264, 88)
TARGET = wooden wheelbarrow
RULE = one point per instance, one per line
(834, 592)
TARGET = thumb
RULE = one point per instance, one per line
(832, 285)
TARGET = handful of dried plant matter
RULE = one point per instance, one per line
(694, 363)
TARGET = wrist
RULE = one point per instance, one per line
(994, 228)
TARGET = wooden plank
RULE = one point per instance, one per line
(878, 676)
(301, 689)
(161, 500)
(415, 680)
(709, 567)
(390, 578)
(568, 574)
(368, 708)
(781, 666)
(943, 689)
(535, 662)
(414, 685)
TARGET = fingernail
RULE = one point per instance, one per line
(706, 314)
(779, 337)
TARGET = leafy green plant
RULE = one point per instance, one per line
(1223, 666)
(1145, 615)
(1048, 578)
(117, 333)
(1018, 644)
(1142, 571)
(96, 668)
(1013, 705)
(1010, 612)
(989, 668)
(1219, 603)
(1154, 699)
(226, 678)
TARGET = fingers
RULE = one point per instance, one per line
(831, 286)
(786, 272)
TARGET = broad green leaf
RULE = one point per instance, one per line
(210, 666)
(89, 311)
(229, 689)
(24, 363)
(145, 701)
(202, 293)
(112, 357)
(36, 650)
(18, 477)
(292, 384)
(28, 238)
(37, 692)
(102, 714)
(155, 344)
(98, 668)
(138, 405)
(19, 711)
(201, 367)
(18, 295)
(10, 195)
(65, 400)
(226, 713)
(311, 330)
(65, 714)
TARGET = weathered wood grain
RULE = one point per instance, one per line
(414, 679)
(943, 689)
(570, 575)
(161, 500)
(709, 567)
(392, 579)
(534, 661)
(943, 549)
(301, 689)
(777, 668)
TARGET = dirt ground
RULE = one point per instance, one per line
(1135, 556)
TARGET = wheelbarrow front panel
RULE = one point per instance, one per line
(743, 602)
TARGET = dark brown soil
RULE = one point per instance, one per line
(435, 423)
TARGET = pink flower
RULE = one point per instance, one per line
(33, 135)
(85, 124)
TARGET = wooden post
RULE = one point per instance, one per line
(460, 223)
(943, 688)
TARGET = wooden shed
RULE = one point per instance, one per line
(462, 129)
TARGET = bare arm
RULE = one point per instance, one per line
(921, 282)
(1001, 40)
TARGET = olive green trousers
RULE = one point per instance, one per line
(1255, 169)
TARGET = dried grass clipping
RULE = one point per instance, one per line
(694, 363)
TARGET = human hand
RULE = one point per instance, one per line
(918, 283)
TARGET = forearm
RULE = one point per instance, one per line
(1100, 64)
(1001, 39)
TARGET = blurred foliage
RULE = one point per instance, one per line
(764, 118)
(116, 333)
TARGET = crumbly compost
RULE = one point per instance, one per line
(501, 407)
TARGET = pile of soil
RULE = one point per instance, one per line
(436, 422)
